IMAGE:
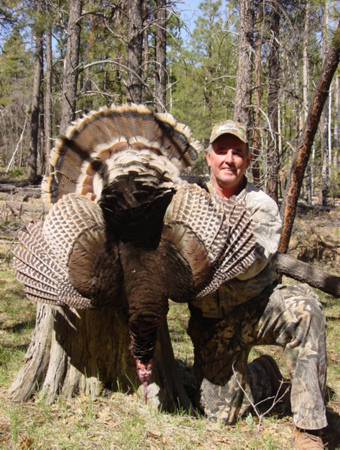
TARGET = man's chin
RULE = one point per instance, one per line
(229, 179)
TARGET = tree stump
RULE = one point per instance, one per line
(88, 351)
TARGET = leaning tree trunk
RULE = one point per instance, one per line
(306, 273)
(88, 351)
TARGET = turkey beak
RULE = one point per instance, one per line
(144, 372)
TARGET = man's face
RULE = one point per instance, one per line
(228, 161)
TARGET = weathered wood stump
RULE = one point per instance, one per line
(87, 352)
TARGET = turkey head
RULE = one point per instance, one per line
(123, 224)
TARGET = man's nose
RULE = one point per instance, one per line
(229, 157)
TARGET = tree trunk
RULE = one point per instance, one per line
(336, 127)
(290, 199)
(324, 118)
(208, 95)
(324, 155)
(244, 62)
(330, 152)
(160, 60)
(273, 101)
(336, 118)
(33, 148)
(48, 99)
(71, 62)
(305, 66)
(305, 97)
(146, 50)
(257, 95)
(135, 51)
(88, 352)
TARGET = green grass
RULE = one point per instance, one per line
(178, 318)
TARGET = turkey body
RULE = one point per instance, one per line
(123, 224)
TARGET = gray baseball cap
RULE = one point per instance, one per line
(229, 127)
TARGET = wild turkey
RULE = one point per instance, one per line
(124, 225)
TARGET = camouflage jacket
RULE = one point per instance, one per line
(267, 230)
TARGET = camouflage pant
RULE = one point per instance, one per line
(288, 316)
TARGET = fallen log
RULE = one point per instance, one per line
(25, 192)
(8, 188)
(306, 273)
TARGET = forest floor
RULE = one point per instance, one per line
(122, 420)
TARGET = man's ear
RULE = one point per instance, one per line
(250, 157)
(207, 157)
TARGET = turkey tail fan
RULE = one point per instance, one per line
(221, 236)
(80, 158)
(44, 279)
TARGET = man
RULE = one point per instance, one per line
(255, 310)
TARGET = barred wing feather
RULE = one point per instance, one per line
(66, 260)
(44, 278)
(220, 235)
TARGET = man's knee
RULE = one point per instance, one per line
(299, 300)
(306, 303)
(293, 312)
